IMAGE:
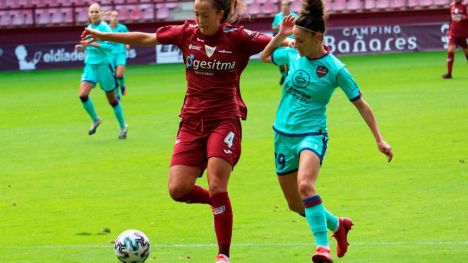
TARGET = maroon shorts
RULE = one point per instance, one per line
(199, 139)
(458, 41)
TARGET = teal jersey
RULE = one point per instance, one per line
(101, 54)
(279, 18)
(119, 47)
(307, 90)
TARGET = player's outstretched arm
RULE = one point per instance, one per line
(285, 31)
(129, 38)
(368, 116)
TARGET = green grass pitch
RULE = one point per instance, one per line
(60, 187)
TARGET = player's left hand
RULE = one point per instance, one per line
(90, 35)
(386, 149)
(287, 26)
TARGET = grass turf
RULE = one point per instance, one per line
(59, 187)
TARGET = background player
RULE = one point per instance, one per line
(98, 68)
(215, 53)
(285, 10)
(457, 33)
(301, 125)
(119, 52)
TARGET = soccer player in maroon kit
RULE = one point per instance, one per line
(457, 33)
(215, 53)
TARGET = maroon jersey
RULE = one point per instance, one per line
(458, 20)
(213, 65)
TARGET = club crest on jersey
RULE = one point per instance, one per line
(209, 50)
(321, 71)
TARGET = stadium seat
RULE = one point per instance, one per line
(5, 18)
(442, 2)
(296, 6)
(339, 5)
(413, 4)
(270, 8)
(147, 11)
(81, 15)
(254, 9)
(382, 4)
(369, 4)
(162, 11)
(42, 16)
(21, 17)
(355, 5)
(426, 3)
(399, 4)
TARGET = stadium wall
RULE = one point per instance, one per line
(355, 33)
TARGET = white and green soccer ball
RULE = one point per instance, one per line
(132, 246)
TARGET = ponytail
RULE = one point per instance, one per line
(232, 9)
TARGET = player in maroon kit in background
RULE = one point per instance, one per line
(215, 53)
(457, 33)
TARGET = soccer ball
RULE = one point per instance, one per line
(132, 246)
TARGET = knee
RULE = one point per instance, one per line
(179, 192)
(84, 98)
(216, 187)
(306, 188)
(113, 103)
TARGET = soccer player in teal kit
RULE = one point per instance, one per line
(98, 69)
(301, 124)
(119, 53)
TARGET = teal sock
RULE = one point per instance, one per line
(332, 221)
(121, 82)
(89, 107)
(118, 112)
(316, 218)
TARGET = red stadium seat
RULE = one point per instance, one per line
(369, 4)
(162, 11)
(426, 2)
(296, 6)
(81, 15)
(42, 16)
(382, 4)
(355, 5)
(147, 12)
(442, 2)
(270, 8)
(400, 4)
(5, 18)
(413, 3)
(339, 5)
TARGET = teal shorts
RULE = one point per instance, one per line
(288, 148)
(119, 59)
(100, 73)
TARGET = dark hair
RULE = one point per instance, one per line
(312, 16)
(232, 9)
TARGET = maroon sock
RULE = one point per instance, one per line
(198, 195)
(222, 212)
(450, 58)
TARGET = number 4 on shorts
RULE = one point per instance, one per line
(229, 139)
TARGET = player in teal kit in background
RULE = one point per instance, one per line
(285, 10)
(301, 124)
(98, 68)
(119, 52)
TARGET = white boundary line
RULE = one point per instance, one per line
(286, 244)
